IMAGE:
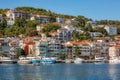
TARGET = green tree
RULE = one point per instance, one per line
(20, 52)
(76, 53)
(3, 24)
(62, 56)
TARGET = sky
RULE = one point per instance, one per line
(94, 9)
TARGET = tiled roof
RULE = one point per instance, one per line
(81, 42)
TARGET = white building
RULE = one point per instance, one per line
(60, 20)
(71, 21)
(111, 30)
(42, 19)
(92, 23)
(40, 27)
(114, 51)
(95, 34)
(12, 15)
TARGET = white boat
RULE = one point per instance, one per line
(24, 60)
(114, 60)
(100, 59)
(78, 60)
(7, 60)
(68, 61)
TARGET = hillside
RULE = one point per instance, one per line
(28, 27)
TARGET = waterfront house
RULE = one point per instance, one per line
(48, 47)
(83, 47)
(114, 51)
(14, 46)
(54, 47)
(4, 45)
(42, 47)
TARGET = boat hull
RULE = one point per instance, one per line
(48, 61)
(24, 61)
(35, 61)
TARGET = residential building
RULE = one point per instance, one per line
(42, 19)
(54, 47)
(83, 48)
(114, 51)
(60, 20)
(92, 23)
(111, 30)
(71, 22)
(40, 27)
(42, 47)
(95, 34)
(48, 47)
(12, 15)
(63, 34)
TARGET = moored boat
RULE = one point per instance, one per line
(46, 60)
(35, 61)
(24, 60)
(78, 60)
(68, 61)
(7, 60)
(114, 60)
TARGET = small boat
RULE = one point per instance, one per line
(100, 60)
(35, 61)
(7, 60)
(24, 60)
(78, 60)
(68, 61)
(46, 60)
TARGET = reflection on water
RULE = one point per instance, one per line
(60, 72)
(114, 71)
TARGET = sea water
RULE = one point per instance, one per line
(85, 71)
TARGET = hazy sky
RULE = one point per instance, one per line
(95, 9)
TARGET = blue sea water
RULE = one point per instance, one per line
(85, 71)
